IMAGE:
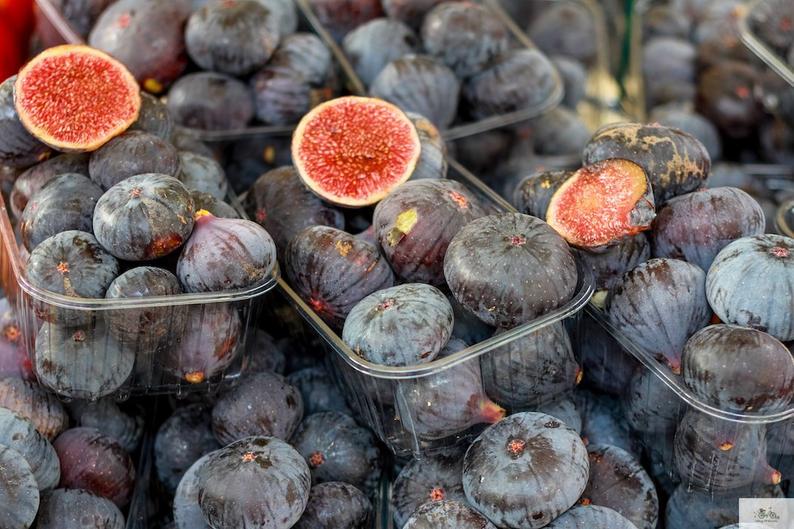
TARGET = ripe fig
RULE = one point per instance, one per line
(18, 148)
(130, 154)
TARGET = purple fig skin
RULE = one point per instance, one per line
(130, 154)
(219, 208)
(154, 118)
(487, 269)
(417, 221)
(203, 174)
(565, 410)
(18, 148)
(739, 289)
(306, 55)
(62, 507)
(525, 471)
(606, 365)
(318, 391)
(696, 226)
(412, 12)
(447, 514)
(533, 194)
(19, 493)
(34, 179)
(257, 482)
(739, 369)
(603, 422)
(618, 481)
(650, 406)
(342, 16)
(21, 435)
(30, 401)
(373, 45)
(332, 271)
(592, 517)
(211, 101)
(262, 404)
(659, 305)
(336, 505)
(225, 254)
(693, 509)
(432, 163)
(187, 513)
(181, 440)
(400, 326)
(609, 263)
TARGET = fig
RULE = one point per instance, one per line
(400, 326)
(20, 434)
(373, 45)
(106, 416)
(601, 203)
(234, 37)
(18, 148)
(147, 36)
(674, 161)
(739, 369)
(144, 217)
(217, 207)
(433, 160)
(412, 12)
(130, 154)
(75, 98)
(81, 362)
(659, 305)
(96, 463)
(353, 151)
(341, 16)
(210, 101)
(34, 179)
(725, 97)
(262, 404)
(574, 79)
(465, 36)
(336, 504)
(154, 117)
(421, 84)
(257, 482)
(559, 132)
(203, 174)
(669, 69)
(447, 514)
(565, 410)
(187, 513)
(693, 123)
(19, 493)
(487, 269)
(739, 289)
(602, 421)
(430, 479)
(318, 391)
(592, 517)
(525, 471)
(579, 41)
(416, 223)
(467, 326)
(30, 401)
(15, 361)
(610, 262)
(66, 203)
(332, 271)
(693, 509)
(533, 194)
(61, 508)
(650, 406)
(181, 440)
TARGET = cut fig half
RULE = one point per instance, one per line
(75, 98)
(352, 151)
(601, 203)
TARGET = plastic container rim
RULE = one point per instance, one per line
(759, 47)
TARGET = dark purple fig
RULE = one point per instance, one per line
(482, 152)
(32, 402)
(531, 369)
(447, 514)
(650, 406)
(19, 493)
(318, 391)
(304, 54)
(217, 207)
(66, 203)
(335, 505)
(498, 250)
(341, 16)
(225, 254)
(618, 481)
(281, 203)
(610, 262)
(696, 226)
(154, 117)
(210, 101)
(602, 421)
(739, 369)
(62, 508)
(34, 179)
(465, 36)
(574, 79)
(693, 509)
(81, 362)
(579, 40)
(187, 513)
(693, 123)
(592, 517)
(565, 410)
(71, 263)
(97, 463)
(144, 217)
(262, 404)
(400, 326)
(147, 37)
(448, 402)
(416, 222)
(739, 288)
(468, 327)
(533, 194)
(282, 96)
(517, 80)
(524, 471)
(21, 435)
(15, 361)
(257, 482)
(186, 140)
(675, 162)
(412, 12)
(208, 345)
(266, 354)
(249, 158)
(773, 22)
(430, 479)
(337, 449)
(181, 440)
(131, 154)
(106, 416)
(432, 161)
(420, 84)
(234, 36)
(716, 455)
(373, 45)
(332, 271)
(204, 174)
(659, 305)
(607, 366)
(559, 132)
(669, 69)
(286, 13)
(725, 97)
(18, 148)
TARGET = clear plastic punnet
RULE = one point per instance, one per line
(756, 43)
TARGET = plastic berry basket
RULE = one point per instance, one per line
(114, 365)
(372, 390)
(458, 130)
(760, 48)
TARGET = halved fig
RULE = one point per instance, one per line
(352, 151)
(602, 202)
(75, 98)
